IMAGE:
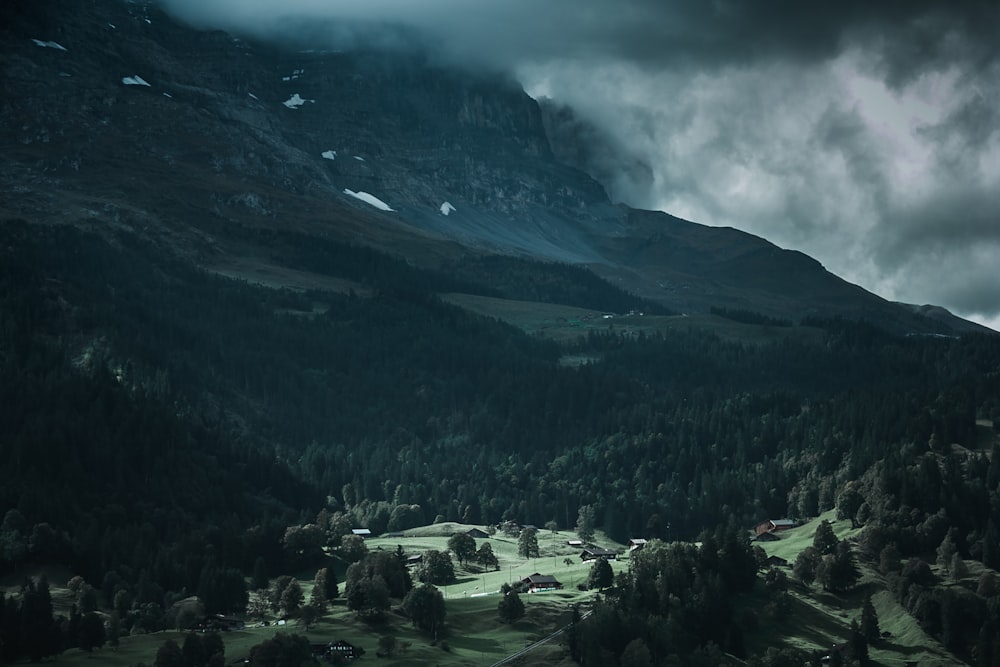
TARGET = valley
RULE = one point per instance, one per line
(238, 323)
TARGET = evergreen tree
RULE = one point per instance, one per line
(527, 543)
(586, 523)
(510, 608)
(317, 597)
(869, 621)
(824, 539)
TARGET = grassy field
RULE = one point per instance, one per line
(567, 323)
(476, 636)
(818, 619)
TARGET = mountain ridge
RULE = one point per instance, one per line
(229, 133)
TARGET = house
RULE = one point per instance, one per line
(766, 537)
(363, 533)
(339, 649)
(773, 526)
(536, 583)
(477, 533)
(415, 559)
(776, 561)
(593, 553)
(636, 543)
(218, 622)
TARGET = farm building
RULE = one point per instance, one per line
(536, 583)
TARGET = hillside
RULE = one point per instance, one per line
(238, 321)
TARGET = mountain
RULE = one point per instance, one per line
(118, 117)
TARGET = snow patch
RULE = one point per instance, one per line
(359, 158)
(330, 155)
(113, 26)
(168, 95)
(148, 21)
(295, 101)
(447, 208)
(49, 45)
(369, 199)
(134, 81)
(252, 96)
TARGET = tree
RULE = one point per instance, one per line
(309, 614)
(869, 621)
(586, 523)
(367, 593)
(946, 551)
(636, 654)
(292, 597)
(824, 539)
(386, 646)
(958, 570)
(258, 604)
(194, 650)
(463, 546)
(91, 633)
(169, 655)
(527, 544)
(486, 557)
(214, 646)
(837, 572)
(282, 650)
(318, 595)
(552, 526)
(425, 607)
(806, 564)
(848, 503)
(510, 607)
(303, 543)
(353, 548)
(601, 575)
(437, 568)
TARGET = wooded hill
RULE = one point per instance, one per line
(165, 426)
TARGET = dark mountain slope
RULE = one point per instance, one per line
(230, 135)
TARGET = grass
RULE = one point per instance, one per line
(567, 323)
(475, 635)
(818, 619)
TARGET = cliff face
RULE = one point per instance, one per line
(114, 115)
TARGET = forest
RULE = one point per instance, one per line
(165, 426)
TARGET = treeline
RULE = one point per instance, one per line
(191, 419)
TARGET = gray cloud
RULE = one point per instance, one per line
(866, 134)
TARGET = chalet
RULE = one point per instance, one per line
(363, 533)
(766, 537)
(635, 544)
(593, 553)
(776, 561)
(773, 526)
(218, 622)
(477, 533)
(336, 651)
(536, 583)
(415, 559)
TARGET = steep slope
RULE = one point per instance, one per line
(114, 112)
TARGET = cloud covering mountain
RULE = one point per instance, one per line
(865, 134)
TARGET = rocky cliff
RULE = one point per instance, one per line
(115, 115)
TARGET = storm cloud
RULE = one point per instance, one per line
(865, 134)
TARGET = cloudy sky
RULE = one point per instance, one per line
(866, 134)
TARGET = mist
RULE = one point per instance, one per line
(864, 134)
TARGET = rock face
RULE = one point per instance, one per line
(116, 116)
